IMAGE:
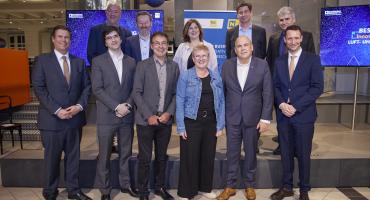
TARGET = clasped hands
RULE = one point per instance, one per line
(287, 109)
(122, 110)
(163, 119)
(68, 113)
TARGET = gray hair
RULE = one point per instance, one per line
(286, 10)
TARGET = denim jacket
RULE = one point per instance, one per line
(188, 93)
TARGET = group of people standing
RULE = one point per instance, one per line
(134, 81)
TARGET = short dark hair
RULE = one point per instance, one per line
(186, 30)
(109, 29)
(158, 33)
(142, 13)
(249, 5)
(60, 27)
(293, 28)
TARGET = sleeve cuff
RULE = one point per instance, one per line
(56, 112)
(265, 121)
(81, 108)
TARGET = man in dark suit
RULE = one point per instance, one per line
(138, 46)
(276, 45)
(155, 95)
(96, 44)
(255, 33)
(298, 82)
(112, 82)
(249, 99)
(62, 85)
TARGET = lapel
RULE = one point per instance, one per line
(74, 69)
(235, 35)
(137, 46)
(124, 69)
(60, 75)
(276, 43)
(299, 66)
(251, 74)
(285, 68)
(234, 74)
(254, 36)
(168, 73)
(111, 67)
(153, 73)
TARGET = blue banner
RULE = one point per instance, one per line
(215, 25)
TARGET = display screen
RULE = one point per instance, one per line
(345, 36)
(80, 22)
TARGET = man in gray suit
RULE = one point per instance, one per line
(255, 33)
(62, 85)
(154, 94)
(249, 98)
(112, 82)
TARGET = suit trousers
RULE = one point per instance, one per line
(56, 142)
(236, 134)
(296, 139)
(197, 156)
(125, 133)
(146, 135)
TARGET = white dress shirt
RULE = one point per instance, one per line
(144, 47)
(117, 61)
(297, 55)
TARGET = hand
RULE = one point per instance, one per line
(153, 120)
(262, 126)
(184, 136)
(164, 117)
(288, 110)
(73, 110)
(218, 133)
(118, 115)
(63, 114)
(122, 109)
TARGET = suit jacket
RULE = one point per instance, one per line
(274, 46)
(305, 87)
(109, 92)
(258, 41)
(96, 44)
(146, 90)
(252, 103)
(132, 48)
(53, 91)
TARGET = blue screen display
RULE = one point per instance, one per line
(345, 36)
(80, 22)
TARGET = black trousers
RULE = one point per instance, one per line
(197, 156)
(146, 135)
(56, 142)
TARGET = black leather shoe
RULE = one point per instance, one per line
(144, 197)
(281, 194)
(79, 196)
(304, 196)
(277, 151)
(131, 191)
(105, 197)
(164, 194)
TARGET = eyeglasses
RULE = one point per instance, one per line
(160, 44)
(201, 57)
(111, 37)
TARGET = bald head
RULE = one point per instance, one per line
(243, 48)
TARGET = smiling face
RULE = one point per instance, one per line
(113, 14)
(243, 47)
(193, 31)
(61, 40)
(244, 15)
(200, 58)
(113, 41)
(159, 46)
(144, 24)
(285, 21)
(293, 39)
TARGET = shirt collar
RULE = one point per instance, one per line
(297, 54)
(247, 64)
(248, 28)
(146, 39)
(156, 60)
(113, 55)
(59, 55)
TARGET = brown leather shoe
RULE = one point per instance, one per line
(226, 194)
(250, 194)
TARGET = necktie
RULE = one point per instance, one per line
(66, 69)
(291, 66)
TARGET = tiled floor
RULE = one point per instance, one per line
(262, 194)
